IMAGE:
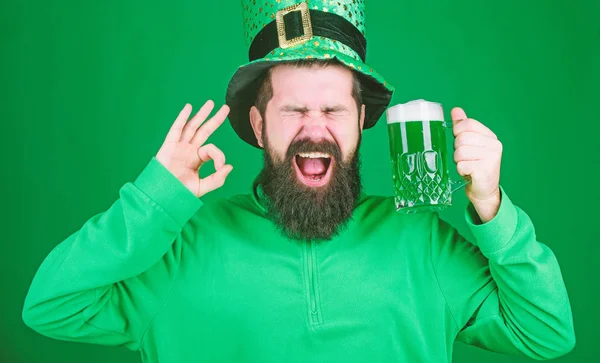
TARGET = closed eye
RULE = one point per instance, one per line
(336, 112)
(335, 109)
(294, 109)
(293, 112)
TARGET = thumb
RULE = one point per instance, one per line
(458, 114)
(214, 181)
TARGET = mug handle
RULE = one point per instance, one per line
(455, 184)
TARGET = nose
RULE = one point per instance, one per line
(315, 126)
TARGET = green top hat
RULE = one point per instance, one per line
(287, 30)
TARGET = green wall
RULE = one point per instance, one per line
(90, 88)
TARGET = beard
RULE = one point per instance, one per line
(306, 213)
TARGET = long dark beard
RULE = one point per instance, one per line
(304, 213)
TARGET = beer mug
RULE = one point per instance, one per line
(419, 157)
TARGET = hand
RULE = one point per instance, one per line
(478, 154)
(184, 152)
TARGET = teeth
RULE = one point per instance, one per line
(314, 155)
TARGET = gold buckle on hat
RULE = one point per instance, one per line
(306, 25)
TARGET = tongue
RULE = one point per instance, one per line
(312, 166)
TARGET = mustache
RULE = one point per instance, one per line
(308, 145)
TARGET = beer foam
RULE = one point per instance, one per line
(416, 110)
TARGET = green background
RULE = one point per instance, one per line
(90, 88)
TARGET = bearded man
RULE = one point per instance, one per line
(305, 267)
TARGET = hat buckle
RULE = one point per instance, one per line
(284, 42)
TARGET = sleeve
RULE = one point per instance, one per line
(505, 290)
(105, 282)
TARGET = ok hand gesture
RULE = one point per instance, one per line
(184, 151)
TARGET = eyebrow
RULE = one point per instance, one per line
(303, 109)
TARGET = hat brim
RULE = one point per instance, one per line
(242, 89)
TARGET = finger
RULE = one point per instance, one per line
(211, 152)
(466, 168)
(471, 125)
(458, 114)
(215, 180)
(192, 125)
(175, 131)
(475, 139)
(207, 128)
(471, 153)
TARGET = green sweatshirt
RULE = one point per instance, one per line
(180, 281)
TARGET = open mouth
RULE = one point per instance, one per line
(314, 168)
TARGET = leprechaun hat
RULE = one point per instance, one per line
(287, 30)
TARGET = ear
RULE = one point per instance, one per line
(256, 121)
(362, 117)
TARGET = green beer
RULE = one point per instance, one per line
(419, 157)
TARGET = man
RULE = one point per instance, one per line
(306, 267)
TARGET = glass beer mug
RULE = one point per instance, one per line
(419, 157)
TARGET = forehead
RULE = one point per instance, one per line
(315, 82)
